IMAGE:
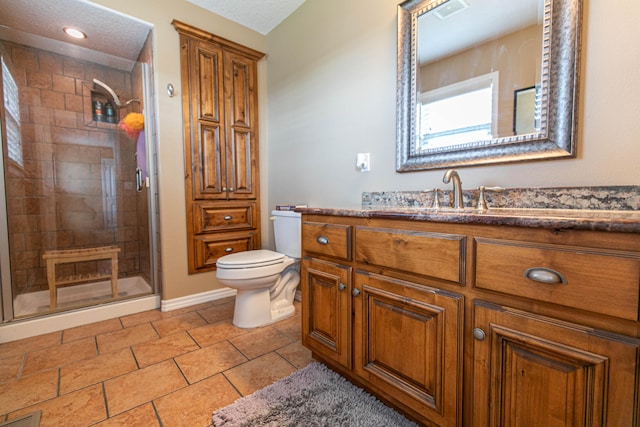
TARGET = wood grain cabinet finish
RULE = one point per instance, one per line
(326, 300)
(220, 121)
(333, 240)
(408, 343)
(477, 325)
(438, 255)
(572, 276)
(536, 371)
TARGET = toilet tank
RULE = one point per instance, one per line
(287, 227)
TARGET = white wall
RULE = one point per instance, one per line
(331, 93)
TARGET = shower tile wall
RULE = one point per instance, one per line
(56, 198)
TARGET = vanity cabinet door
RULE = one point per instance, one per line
(408, 345)
(531, 370)
(326, 309)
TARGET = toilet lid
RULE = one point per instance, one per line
(257, 258)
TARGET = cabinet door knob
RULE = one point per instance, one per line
(228, 217)
(341, 286)
(322, 240)
(479, 334)
(545, 275)
(355, 292)
(228, 249)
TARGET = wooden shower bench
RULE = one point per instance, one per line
(54, 258)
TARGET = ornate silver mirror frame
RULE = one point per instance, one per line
(555, 137)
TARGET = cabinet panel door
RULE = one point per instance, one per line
(241, 123)
(326, 309)
(207, 161)
(535, 371)
(408, 343)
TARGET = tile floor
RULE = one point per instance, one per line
(147, 369)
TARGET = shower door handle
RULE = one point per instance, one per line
(139, 180)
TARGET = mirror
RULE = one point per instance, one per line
(486, 81)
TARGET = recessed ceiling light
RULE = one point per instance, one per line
(74, 32)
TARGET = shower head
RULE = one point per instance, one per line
(106, 87)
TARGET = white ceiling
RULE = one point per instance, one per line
(259, 15)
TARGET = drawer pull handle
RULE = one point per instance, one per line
(545, 275)
(228, 217)
(479, 334)
(322, 240)
(228, 249)
(341, 286)
(355, 292)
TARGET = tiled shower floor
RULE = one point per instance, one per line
(146, 369)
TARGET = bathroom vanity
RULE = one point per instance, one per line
(467, 318)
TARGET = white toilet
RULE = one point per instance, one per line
(265, 281)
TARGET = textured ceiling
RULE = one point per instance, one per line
(113, 39)
(259, 15)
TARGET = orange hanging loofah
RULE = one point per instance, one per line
(133, 123)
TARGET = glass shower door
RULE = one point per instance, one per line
(75, 226)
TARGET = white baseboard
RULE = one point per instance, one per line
(189, 300)
(27, 328)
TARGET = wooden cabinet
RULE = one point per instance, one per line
(326, 300)
(408, 345)
(220, 120)
(537, 371)
(402, 339)
(326, 290)
(477, 325)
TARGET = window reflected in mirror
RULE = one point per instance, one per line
(459, 113)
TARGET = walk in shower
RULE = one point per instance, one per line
(77, 199)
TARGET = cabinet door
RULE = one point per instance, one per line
(326, 309)
(242, 125)
(535, 371)
(207, 135)
(408, 344)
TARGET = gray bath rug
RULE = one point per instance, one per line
(314, 396)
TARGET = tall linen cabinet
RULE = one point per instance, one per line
(220, 121)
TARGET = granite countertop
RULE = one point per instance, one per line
(603, 208)
(580, 219)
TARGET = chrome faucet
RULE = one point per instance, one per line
(452, 175)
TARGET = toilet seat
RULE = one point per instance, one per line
(251, 259)
(257, 264)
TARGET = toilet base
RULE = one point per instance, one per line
(253, 309)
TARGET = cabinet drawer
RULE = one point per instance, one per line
(327, 239)
(210, 218)
(437, 255)
(597, 280)
(208, 248)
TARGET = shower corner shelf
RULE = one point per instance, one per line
(90, 107)
(101, 113)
